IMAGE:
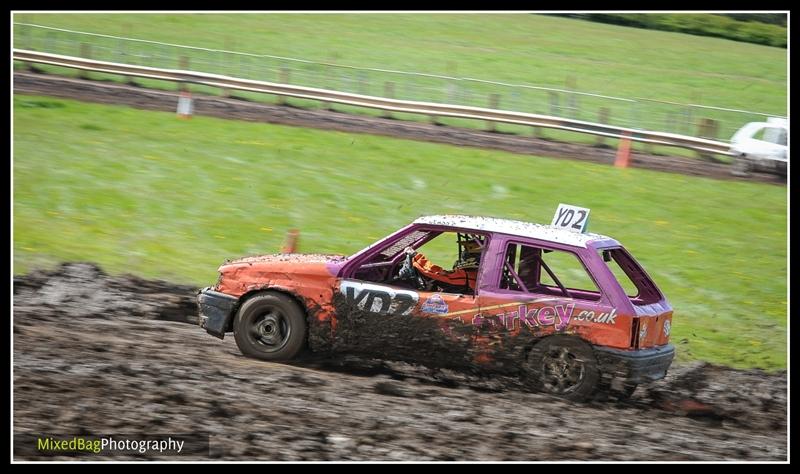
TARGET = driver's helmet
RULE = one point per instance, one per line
(470, 256)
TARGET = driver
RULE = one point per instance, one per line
(464, 272)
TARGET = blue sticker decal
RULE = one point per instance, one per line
(435, 304)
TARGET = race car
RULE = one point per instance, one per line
(570, 312)
(761, 146)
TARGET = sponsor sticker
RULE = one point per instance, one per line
(378, 299)
(667, 327)
(435, 304)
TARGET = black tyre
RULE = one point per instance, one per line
(270, 326)
(563, 366)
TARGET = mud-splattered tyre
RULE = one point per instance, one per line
(270, 326)
(562, 366)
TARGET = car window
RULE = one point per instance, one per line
(532, 269)
(639, 288)
(776, 135)
(443, 262)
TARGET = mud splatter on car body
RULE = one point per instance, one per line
(360, 304)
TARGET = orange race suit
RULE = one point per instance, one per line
(456, 277)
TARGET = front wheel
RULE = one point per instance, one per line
(563, 366)
(270, 326)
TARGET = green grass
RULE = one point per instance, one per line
(515, 48)
(144, 192)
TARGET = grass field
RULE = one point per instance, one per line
(144, 192)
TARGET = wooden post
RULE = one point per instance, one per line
(283, 78)
(494, 104)
(86, 52)
(707, 128)
(25, 44)
(323, 68)
(603, 117)
(183, 65)
(388, 92)
(363, 83)
(226, 67)
(553, 97)
(291, 241)
(572, 103)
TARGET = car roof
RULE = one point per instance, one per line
(547, 233)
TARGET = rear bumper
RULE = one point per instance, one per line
(636, 366)
(216, 311)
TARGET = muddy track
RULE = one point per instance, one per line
(229, 108)
(99, 354)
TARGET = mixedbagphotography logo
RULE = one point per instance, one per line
(148, 446)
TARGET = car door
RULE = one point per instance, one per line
(391, 320)
(538, 290)
(400, 323)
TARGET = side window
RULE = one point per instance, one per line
(545, 271)
(775, 135)
(450, 262)
(442, 261)
(378, 267)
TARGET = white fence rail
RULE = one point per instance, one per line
(565, 101)
(381, 103)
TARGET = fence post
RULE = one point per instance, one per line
(283, 78)
(86, 52)
(25, 44)
(572, 101)
(363, 83)
(434, 118)
(183, 65)
(603, 117)
(553, 97)
(290, 246)
(330, 80)
(494, 104)
(49, 39)
(388, 92)
(687, 120)
(226, 69)
(707, 128)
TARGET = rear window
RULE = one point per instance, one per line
(631, 276)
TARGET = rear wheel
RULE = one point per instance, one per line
(563, 366)
(270, 326)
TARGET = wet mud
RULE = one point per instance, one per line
(99, 354)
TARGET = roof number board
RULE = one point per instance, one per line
(571, 218)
